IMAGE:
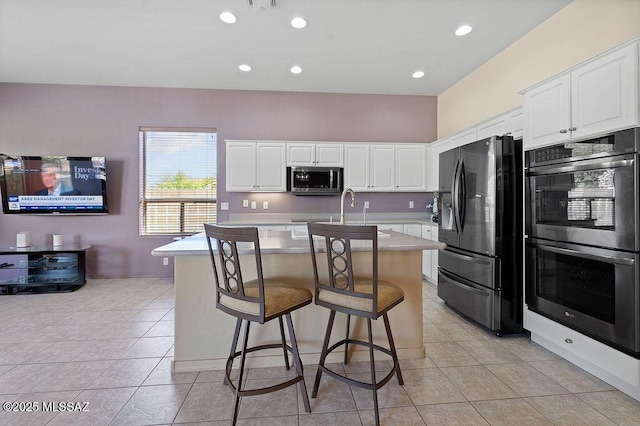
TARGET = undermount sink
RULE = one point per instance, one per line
(303, 234)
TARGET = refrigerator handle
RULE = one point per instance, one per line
(454, 197)
(462, 193)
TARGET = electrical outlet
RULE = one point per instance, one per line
(253, 205)
(165, 261)
(224, 206)
(245, 203)
(411, 205)
(366, 204)
(265, 205)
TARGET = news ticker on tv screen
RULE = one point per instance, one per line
(51, 202)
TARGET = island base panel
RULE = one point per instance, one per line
(203, 334)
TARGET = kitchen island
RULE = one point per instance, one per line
(203, 334)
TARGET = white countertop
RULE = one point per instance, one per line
(256, 219)
(282, 242)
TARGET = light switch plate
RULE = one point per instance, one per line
(224, 206)
(253, 205)
(265, 205)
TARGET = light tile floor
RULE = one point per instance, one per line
(110, 344)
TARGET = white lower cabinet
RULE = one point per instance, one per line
(414, 229)
(430, 257)
(398, 227)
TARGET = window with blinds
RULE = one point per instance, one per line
(177, 180)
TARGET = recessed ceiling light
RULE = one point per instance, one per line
(244, 67)
(418, 74)
(228, 18)
(298, 22)
(463, 30)
(296, 69)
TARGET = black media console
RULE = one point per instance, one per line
(43, 269)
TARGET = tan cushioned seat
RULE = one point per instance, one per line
(279, 296)
(388, 294)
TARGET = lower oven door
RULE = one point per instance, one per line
(473, 300)
(592, 290)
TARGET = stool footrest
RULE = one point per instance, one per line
(357, 383)
(263, 390)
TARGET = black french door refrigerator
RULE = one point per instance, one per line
(480, 271)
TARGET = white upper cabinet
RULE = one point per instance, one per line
(516, 123)
(330, 154)
(382, 163)
(598, 96)
(241, 166)
(369, 167)
(463, 138)
(255, 166)
(604, 93)
(547, 112)
(411, 167)
(356, 171)
(496, 126)
(508, 123)
(315, 154)
(433, 164)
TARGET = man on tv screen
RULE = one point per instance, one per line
(49, 174)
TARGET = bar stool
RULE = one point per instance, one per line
(342, 291)
(259, 301)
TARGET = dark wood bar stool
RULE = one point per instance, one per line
(259, 301)
(364, 296)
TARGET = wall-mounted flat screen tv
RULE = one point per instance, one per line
(53, 185)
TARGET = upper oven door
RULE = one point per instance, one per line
(590, 202)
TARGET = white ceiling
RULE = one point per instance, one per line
(349, 46)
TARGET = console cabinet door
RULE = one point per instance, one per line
(241, 166)
(411, 167)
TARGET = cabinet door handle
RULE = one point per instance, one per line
(563, 131)
(571, 129)
(568, 340)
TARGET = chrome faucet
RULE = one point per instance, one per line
(353, 203)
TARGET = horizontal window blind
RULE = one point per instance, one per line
(178, 184)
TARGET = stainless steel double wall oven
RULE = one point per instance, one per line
(583, 238)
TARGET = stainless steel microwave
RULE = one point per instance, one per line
(315, 180)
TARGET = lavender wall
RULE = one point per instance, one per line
(88, 120)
